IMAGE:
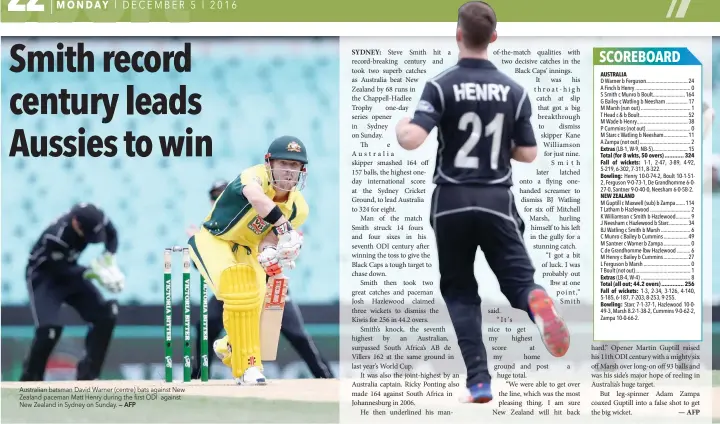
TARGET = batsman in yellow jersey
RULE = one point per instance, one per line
(251, 232)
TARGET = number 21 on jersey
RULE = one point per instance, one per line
(470, 121)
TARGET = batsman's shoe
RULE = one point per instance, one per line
(252, 377)
(223, 350)
(479, 393)
(552, 328)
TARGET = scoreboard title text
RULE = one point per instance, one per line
(105, 106)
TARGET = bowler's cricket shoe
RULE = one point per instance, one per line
(223, 350)
(552, 328)
(252, 377)
(479, 393)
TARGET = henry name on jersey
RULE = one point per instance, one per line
(472, 91)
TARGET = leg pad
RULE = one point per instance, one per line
(44, 342)
(97, 343)
(242, 303)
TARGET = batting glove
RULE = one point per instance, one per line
(269, 261)
(104, 270)
(289, 243)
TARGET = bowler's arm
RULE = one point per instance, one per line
(525, 144)
(412, 133)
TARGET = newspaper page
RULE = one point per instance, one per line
(609, 260)
(388, 213)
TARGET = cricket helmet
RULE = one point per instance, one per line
(287, 148)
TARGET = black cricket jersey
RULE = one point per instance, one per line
(480, 114)
(59, 246)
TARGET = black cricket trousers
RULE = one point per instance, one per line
(466, 217)
(48, 292)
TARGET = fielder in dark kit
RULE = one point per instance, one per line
(483, 121)
(292, 326)
(54, 277)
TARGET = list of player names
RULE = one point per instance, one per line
(647, 194)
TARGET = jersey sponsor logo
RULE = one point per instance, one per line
(294, 147)
(425, 106)
(258, 225)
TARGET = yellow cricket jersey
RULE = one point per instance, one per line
(232, 218)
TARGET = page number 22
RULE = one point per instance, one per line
(31, 6)
(471, 121)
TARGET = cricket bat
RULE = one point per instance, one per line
(271, 317)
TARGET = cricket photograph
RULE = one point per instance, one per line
(179, 275)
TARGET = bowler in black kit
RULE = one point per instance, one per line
(483, 121)
(55, 278)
